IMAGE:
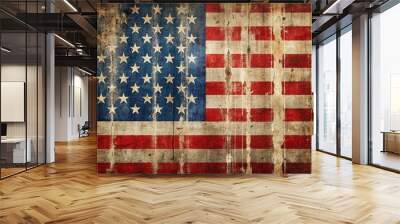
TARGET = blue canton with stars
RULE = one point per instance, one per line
(156, 69)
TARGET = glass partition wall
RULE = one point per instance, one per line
(334, 94)
(385, 89)
(22, 77)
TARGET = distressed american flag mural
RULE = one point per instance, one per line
(204, 88)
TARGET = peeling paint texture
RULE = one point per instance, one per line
(204, 88)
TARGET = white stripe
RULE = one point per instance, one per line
(256, 101)
(197, 155)
(256, 47)
(257, 74)
(243, 19)
(198, 128)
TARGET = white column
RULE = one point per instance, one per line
(50, 99)
(360, 90)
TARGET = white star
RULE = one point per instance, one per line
(111, 110)
(101, 58)
(135, 68)
(181, 88)
(157, 109)
(181, 68)
(157, 88)
(169, 98)
(169, 58)
(146, 58)
(157, 48)
(169, 79)
(135, 88)
(135, 48)
(190, 79)
(157, 29)
(135, 109)
(135, 9)
(181, 109)
(157, 68)
(111, 88)
(181, 28)
(123, 39)
(112, 48)
(192, 59)
(157, 9)
(135, 29)
(182, 9)
(146, 78)
(123, 78)
(146, 39)
(147, 98)
(191, 99)
(101, 98)
(101, 78)
(123, 98)
(170, 19)
(181, 49)
(123, 58)
(192, 38)
(146, 19)
(192, 19)
(170, 39)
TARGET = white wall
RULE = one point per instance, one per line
(71, 102)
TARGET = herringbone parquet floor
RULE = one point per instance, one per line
(70, 191)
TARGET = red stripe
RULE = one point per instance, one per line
(298, 114)
(219, 33)
(188, 168)
(261, 60)
(298, 167)
(215, 60)
(297, 7)
(239, 60)
(238, 88)
(219, 88)
(296, 88)
(211, 7)
(297, 61)
(262, 88)
(260, 8)
(296, 33)
(297, 142)
(238, 114)
(190, 141)
(262, 32)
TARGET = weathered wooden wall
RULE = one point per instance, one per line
(241, 94)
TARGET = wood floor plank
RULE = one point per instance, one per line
(71, 191)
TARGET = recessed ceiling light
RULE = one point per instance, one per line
(70, 5)
(65, 41)
(5, 50)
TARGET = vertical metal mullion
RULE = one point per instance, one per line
(369, 90)
(37, 90)
(317, 97)
(0, 93)
(26, 86)
(338, 73)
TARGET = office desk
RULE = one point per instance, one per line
(13, 150)
(391, 141)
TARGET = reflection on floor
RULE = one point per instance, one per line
(387, 159)
(71, 191)
(10, 169)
